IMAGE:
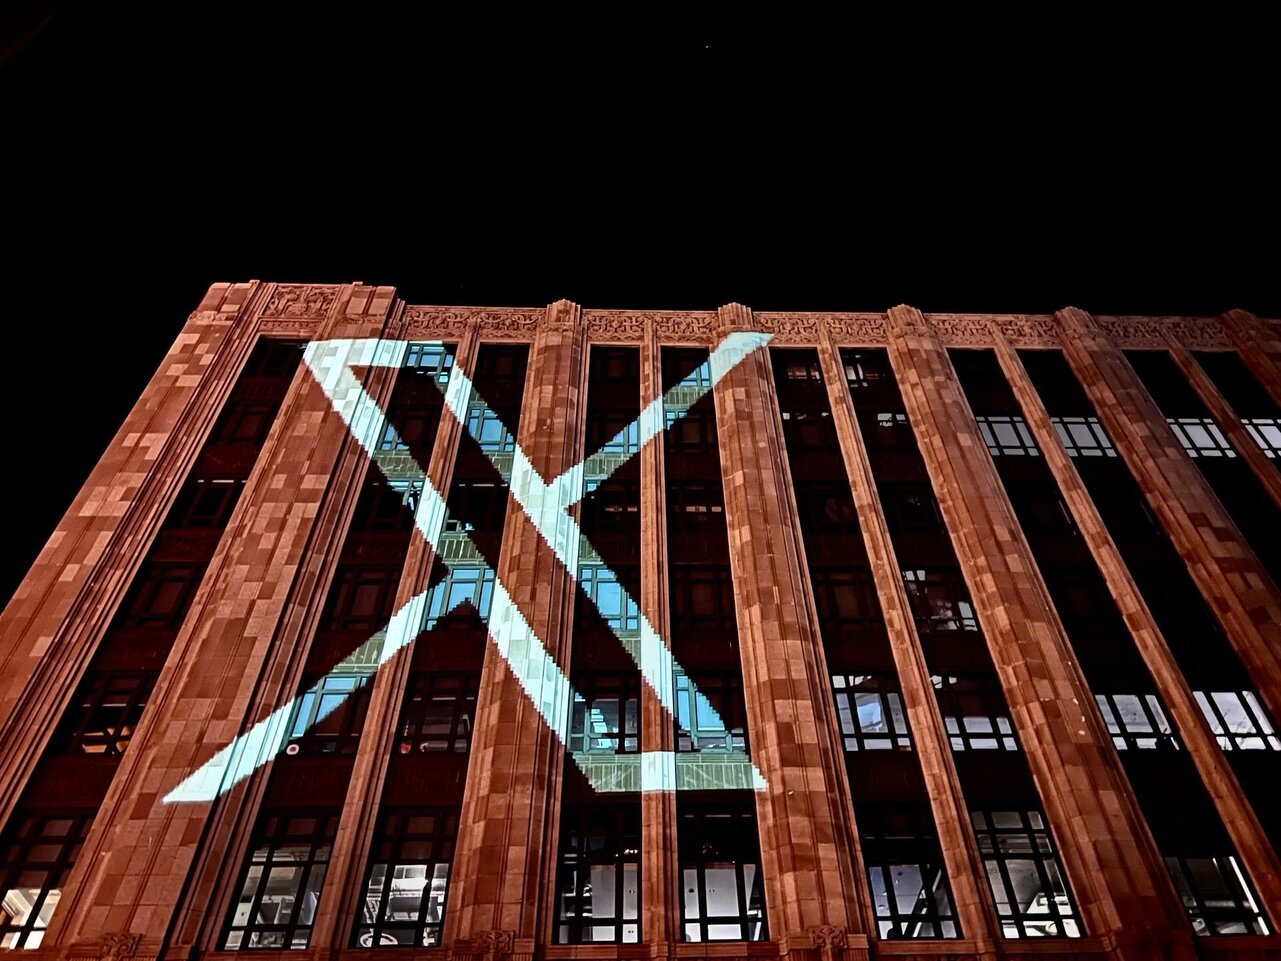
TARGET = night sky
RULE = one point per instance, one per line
(508, 160)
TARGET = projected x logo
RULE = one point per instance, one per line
(547, 505)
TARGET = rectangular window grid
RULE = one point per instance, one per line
(438, 714)
(473, 585)
(618, 609)
(404, 895)
(1216, 895)
(1136, 722)
(974, 713)
(1024, 874)
(939, 601)
(1238, 720)
(1007, 436)
(1266, 432)
(605, 715)
(697, 728)
(432, 358)
(1083, 437)
(598, 892)
(871, 714)
(1201, 437)
(329, 716)
(108, 711)
(721, 878)
(281, 884)
(38, 856)
(905, 872)
(490, 432)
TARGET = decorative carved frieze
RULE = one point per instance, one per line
(302, 300)
(121, 945)
(301, 328)
(829, 936)
(495, 323)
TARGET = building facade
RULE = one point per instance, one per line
(571, 633)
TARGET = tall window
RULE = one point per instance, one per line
(38, 853)
(862, 370)
(721, 877)
(871, 712)
(910, 508)
(473, 585)
(605, 716)
(438, 713)
(703, 598)
(713, 718)
(905, 872)
(1136, 721)
(598, 891)
(600, 583)
(161, 595)
(1201, 437)
(939, 601)
(690, 432)
(974, 712)
(205, 502)
(282, 882)
(107, 712)
(361, 597)
(1023, 872)
(1083, 437)
(403, 902)
(1216, 895)
(845, 597)
(1238, 720)
(330, 715)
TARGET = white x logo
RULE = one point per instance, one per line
(547, 505)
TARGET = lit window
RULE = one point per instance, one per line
(107, 713)
(618, 608)
(281, 884)
(330, 715)
(37, 855)
(605, 716)
(905, 872)
(1136, 721)
(1201, 437)
(432, 359)
(713, 718)
(1266, 432)
(939, 601)
(1217, 896)
(471, 585)
(1238, 720)
(403, 902)
(870, 711)
(1023, 871)
(1008, 436)
(721, 877)
(803, 371)
(598, 889)
(974, 713)
(489, 430)
(1083, 437)
(439, 713)
(863, 370)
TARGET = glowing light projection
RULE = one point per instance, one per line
(546, 504)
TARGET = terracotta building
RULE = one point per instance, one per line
(570, 633)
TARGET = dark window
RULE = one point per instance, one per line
(362, 598)
(281, 884)
(1007, 436)
(887, 430)
(1201, 437)
(826, 507)
(273, 358)
(245, 422)
(939, 601)
(1238, 720)
(38, 853)
(605, 715)
(703, 598)
(205, 503)
(162, 594)
(870, 711)
(1024, 874)
(613, 431)
(864, 369)
(905, 872)
(721, 877)
(910, 508)
(1040, 508)
(477, 506)
(804, 370)
(598, 891)
(107, 711)
(692, 505)
(408, 427)
(330, 715)
(846, 598)
(438, 714)
(974, 712)
(808, 430)
(383, 506)
(1136, 721)
(691, 432)
(1216, 895)
(723, 727)
(403, 902)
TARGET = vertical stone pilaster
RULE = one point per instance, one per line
(1117, 875)
(504, 865)
(965, 869)
(1238, 816)
(147, 864)
(804, 813)
(1259, 346)
(660, 864)
(51, 627)
(1238, 589)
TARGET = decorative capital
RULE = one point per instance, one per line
(494, 943)
(1075, 322)
(829, 936)
(120, 945)
(564, 315)
(908, 321)
(736, 317)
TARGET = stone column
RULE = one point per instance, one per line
(808, 843)
(148, 865)
(965, 870)
(1211, 763)
(1116, 873)
(1259, 345)
(1243, 597)
(660, 862)
(51, 628)
(505, 859)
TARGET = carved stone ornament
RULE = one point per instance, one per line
(120, 945)
(494, 943)
(494, 323)
(829, 936)
(617, 326)
(302, 300)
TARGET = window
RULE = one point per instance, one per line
(403, 902)
(1217, 896)
(974, 712)
(473, 585)
(244, 422)
(1083, 437)
(910, 508)
(804, 371)
(713, 718)
(700, 377)
(939, 601)
(1136, 721)
(846, 599)
(406, 427)
(1040, 508)
(1007, 436)
(1266, 432)
(476, 506)
(282, 882)
(598, 891)
(692, 505)
(384, 506)
(605, 716)
(617, 608)
(721, 877)
(690, 432)
(1201, 437)
(1024, 874)
(1238, 720)
(273, 358)
(612, 431)
(490, 432)
(438, 714)
(431, 359)
(361, 598)
(862, 369)
(162, 594)
(38, 853)
(703, 598)
(826, 507)
(205, 503)
(871, 713)
(808, 430)
(330, 715)
(107, 712)
(888, 430)
(905, 872)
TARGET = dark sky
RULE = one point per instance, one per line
(955, 165)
